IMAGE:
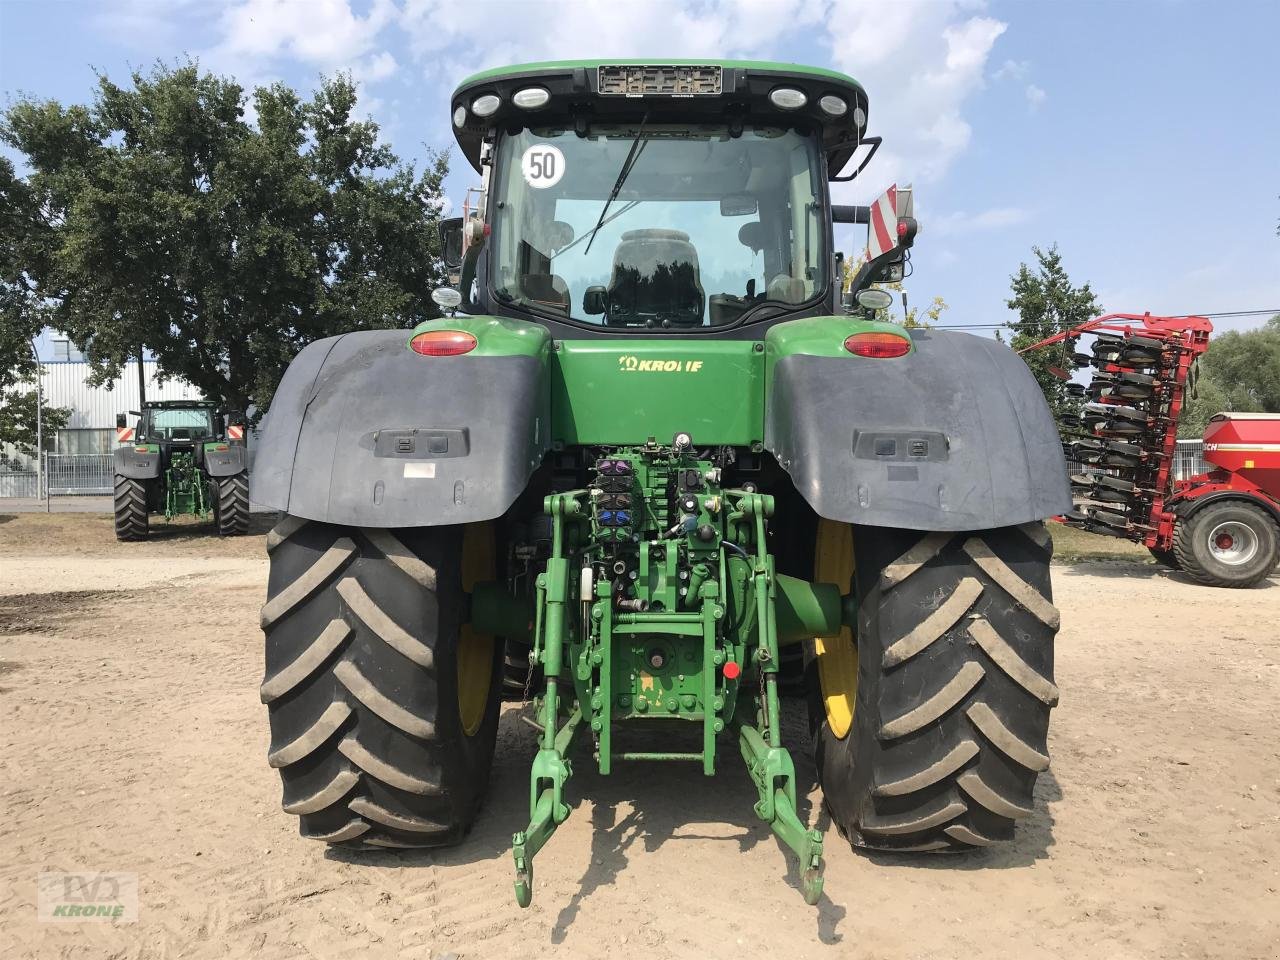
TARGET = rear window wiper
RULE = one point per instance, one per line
(637, 146)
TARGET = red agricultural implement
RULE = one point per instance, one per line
(1222, 528)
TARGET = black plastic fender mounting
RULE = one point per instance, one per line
(954, 436)
(135, 465)
(364, 432)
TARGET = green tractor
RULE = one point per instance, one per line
(183, 458)
(652, 472)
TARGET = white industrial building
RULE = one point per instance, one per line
(91, 426)
(90, 429)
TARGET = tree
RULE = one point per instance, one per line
(1239, 372)
(20, 315)
(170, 223)
(18, 423)
(889, 314)
(1048, 303)
(913, 319)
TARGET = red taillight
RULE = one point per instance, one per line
(443, 343)
(881, 346)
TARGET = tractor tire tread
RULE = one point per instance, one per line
(232, 513)
(130, 507)
(955, 636)
(360, 687)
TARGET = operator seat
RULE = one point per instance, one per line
(655, 279)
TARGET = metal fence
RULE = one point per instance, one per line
(19, 483)
(78, 474)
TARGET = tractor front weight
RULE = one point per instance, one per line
(656, 626)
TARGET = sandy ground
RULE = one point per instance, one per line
(132, 739)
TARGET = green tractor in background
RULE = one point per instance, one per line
(183, 458)
(656, 459)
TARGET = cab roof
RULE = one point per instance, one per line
(584, 91)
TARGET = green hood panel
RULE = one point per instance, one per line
(625, 391)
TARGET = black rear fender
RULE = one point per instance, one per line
(954, 436)
(364, 432)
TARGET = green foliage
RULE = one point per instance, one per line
(1048, 303)
(1240, 372)
(18, 420)
(20, 318)
(913, 317)
(892, 314)
(169, 221)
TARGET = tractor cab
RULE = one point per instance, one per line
(182, 422)
(681, 198)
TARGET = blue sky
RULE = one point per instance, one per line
(1143, 136)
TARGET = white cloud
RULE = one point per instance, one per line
(326, 34)
(375, 67)
(920, 63)
(994, 218)
(1035, 97)
(454, 41)
(1012, 70)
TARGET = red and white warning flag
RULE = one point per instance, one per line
(124, 434)
(882, 231)
(235, 432)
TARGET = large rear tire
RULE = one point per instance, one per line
(383, 703)
(231, 505)
(930, 729)
(130, 503)
(1230, 543)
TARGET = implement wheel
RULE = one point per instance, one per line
(930, 728)
(1231, 543)
(383, 704)
(130, 505)
(231, 505)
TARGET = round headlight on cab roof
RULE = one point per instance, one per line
(788, 98)
(486, 105)
(531, 98)
(833, 106)
(459, 116)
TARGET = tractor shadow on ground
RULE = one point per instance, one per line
(652, 819)
(160, 531)
(1032, 839)
(640, 806)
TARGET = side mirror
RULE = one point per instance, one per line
(121, 421)
(451, 242)
(593, 301)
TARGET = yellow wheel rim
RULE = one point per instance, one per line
(837, 655)
(475, 650)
